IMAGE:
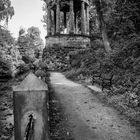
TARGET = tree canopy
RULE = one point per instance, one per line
(6, 10)
(30, 43)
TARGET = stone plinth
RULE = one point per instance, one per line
(68, 41)
(30, 109)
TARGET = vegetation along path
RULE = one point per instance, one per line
(87, 117)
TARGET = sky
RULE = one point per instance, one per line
(27, 13)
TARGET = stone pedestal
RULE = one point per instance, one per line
(30, 109)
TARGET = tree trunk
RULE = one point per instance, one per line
(105, 39)
(102, 25)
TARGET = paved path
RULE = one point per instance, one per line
(88, 118)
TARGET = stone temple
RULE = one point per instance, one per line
(68, 23)
(67, 30)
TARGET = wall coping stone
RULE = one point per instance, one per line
(31, 83)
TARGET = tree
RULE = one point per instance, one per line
(33, 32)
(102, 25)
(30, 44)
(6, 10)
(35, 40)
(124, 20)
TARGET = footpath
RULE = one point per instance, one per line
(87, 117)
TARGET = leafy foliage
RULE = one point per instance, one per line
(5, 37)
(9, 54)
(22, 68)
(6, 10)
(6, 55)
(124, 19)
(123, 63)
(30, 44)
(5, 70)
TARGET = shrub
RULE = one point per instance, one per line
(22, 68)
(76, 73)
(43, 66)
(28, 59)
(5, 70)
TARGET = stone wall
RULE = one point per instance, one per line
(56, 58)
(58, 49)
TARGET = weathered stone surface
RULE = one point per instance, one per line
(57, 58)
(83, 18)
(68, 41)
(31, 83)
(30, 98)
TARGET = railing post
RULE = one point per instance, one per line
(30, 109)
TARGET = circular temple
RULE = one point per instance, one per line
(67, 23)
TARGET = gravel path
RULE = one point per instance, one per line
(88, 117)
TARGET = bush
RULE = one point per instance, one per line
(5, 70)
(22, 68)
(28, 59)
(75, 74)
(43, 66)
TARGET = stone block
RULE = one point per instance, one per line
(30, 109)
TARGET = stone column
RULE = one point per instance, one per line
(76, 23)
(83, 18)
(52, 21)
(62, 21)
(87, 19)
(48, 21)
(58, 17)
(72, 25)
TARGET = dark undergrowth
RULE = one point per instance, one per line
(6, 107)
